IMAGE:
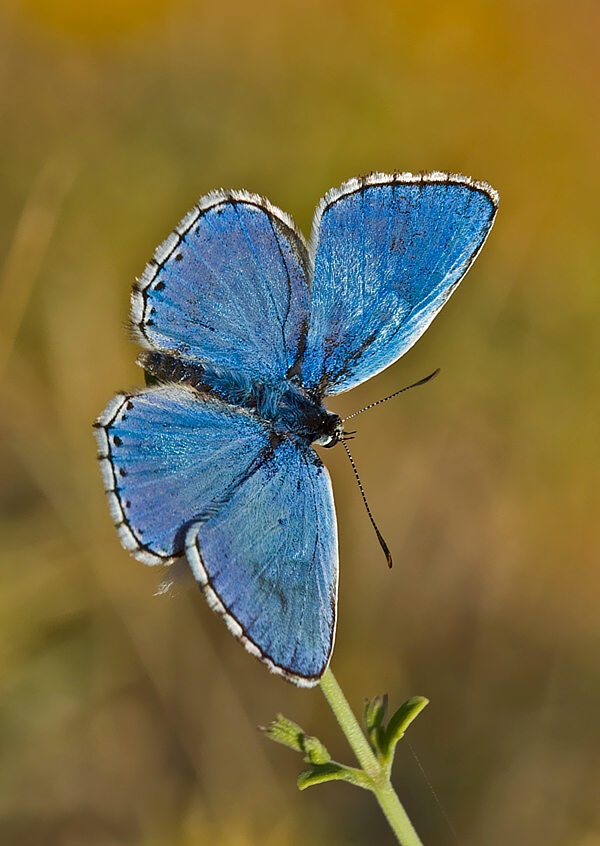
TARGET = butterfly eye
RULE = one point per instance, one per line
(329, 439)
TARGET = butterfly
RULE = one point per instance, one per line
(246, 329)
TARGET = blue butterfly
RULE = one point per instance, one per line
(246, 329)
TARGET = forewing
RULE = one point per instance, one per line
(388, 252)
(267, 562)
(228, 286)
(168, 457)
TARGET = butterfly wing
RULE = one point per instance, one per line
(169, 456)
(268, 562)
(388, 251)
(228, 286)
(184, 473)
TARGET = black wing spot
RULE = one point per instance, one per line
(117, 440)
(179, 257)
(159, 286)
(129, 405)
(274, 440)
(122, 472)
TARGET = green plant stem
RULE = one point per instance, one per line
(380, 783)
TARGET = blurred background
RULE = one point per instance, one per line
(127, 718)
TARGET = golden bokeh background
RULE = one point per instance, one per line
(127, 718)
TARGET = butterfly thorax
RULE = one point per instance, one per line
(290, 410)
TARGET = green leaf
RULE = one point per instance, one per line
(289, 734)
(374, 714)
(333, 772)
(399, 723)
(284, 731)
(316, 753)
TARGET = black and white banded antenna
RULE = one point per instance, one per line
(395, 394)
(348, 435)
(380, 538)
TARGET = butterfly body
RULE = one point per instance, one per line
(288, 410)
(247, 328)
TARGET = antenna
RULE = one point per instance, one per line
(391, 396)
(348, 436)
(382, 542)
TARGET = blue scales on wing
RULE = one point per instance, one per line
(255, 512)
(388, 251)
(229, 287)
(168, 455)
(268, 562)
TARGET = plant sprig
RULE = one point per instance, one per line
(375, 751)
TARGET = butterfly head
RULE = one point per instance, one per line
(331, 431)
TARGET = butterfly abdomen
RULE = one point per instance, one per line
(221, 382)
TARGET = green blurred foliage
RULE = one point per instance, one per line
(130, 719)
